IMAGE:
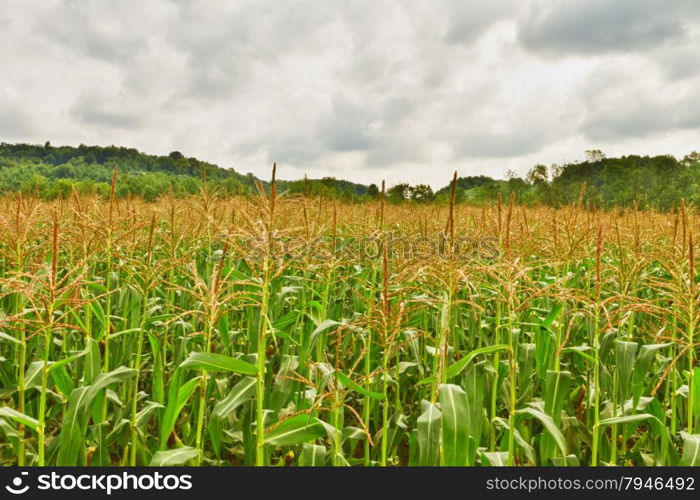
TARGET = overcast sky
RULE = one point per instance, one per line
(362, 90)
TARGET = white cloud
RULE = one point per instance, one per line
(361, 90)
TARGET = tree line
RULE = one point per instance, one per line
(48, 171)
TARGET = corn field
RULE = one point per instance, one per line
(285, 331)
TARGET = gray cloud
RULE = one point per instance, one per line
(354, 89)
(114, 38)
(501, 144)
(346, 133)
(619, 105)
(600, 26)
(679, 63)
(103, 110)
(467, 21)
(640, 119)
(16, 120)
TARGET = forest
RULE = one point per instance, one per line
(657, 182)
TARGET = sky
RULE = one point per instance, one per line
(362, 90)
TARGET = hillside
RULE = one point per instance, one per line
(653, 182)
(55, 170)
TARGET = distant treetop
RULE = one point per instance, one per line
(51, 171)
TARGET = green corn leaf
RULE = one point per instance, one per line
(428, 434)
(350, 384)
(548, 424)
(455, 426)
(178, 456)
(553, 315)
(9, 338)
(69, 359)
(62, 380)
(313, 455)
(326, 324)
(217, 363)
(7, 412)
(93, 361)
(239, 394)
(556, 391)
(295, 430)
(568, 461)
(695, 387)
(178, 395)
(691, 449)
(158, 370)
(519, 440)
(143, 415)
(474, 388)
(625, 355)
(283, 385)
(456, 368)
(32, 375)
(72, 436)
(494, 458)
(642, 368)
(581, 351)
(626, 419)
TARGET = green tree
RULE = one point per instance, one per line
(421, 193)
(373, 191)
(399, 192)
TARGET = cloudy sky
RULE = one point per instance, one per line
(358, 89)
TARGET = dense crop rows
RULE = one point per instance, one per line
(226, 331)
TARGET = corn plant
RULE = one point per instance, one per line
(287, 330)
